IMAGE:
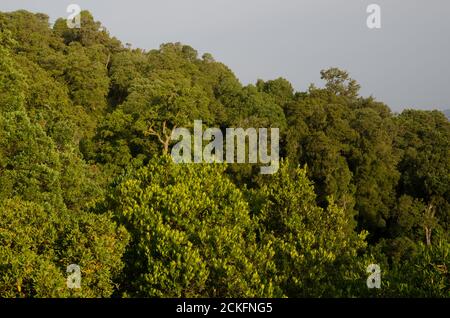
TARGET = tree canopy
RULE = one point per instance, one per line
(86, 177)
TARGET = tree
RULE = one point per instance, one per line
(424, 141)
(44, 226)
(125, 67)
(339, 82)
(39, 242)
(192, 234)
(279, 88)
(91, 33)
(315, 248)
(423, 274)
(165, 101)
(86, 75)
(12, 81)
(342, 137)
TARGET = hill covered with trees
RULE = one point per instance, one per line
(85, 178)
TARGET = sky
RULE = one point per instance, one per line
(405, 63)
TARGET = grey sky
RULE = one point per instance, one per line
(405, 64)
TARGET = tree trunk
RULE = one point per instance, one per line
(166, 146)
(428, 235)
(164, 137)
(428, 223)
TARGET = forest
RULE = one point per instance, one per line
(86, 178)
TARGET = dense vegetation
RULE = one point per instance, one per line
(85, 178)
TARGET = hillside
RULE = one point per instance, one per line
(86, 177)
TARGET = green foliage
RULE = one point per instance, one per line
(91, 34)
(12, 83)
(29, 163)
(192, 234)
(340, 83)
(348, 143)
(424, 141)
(86, 75)
(315, 248)
(424, 274)
(39, 242)
(83, 124)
